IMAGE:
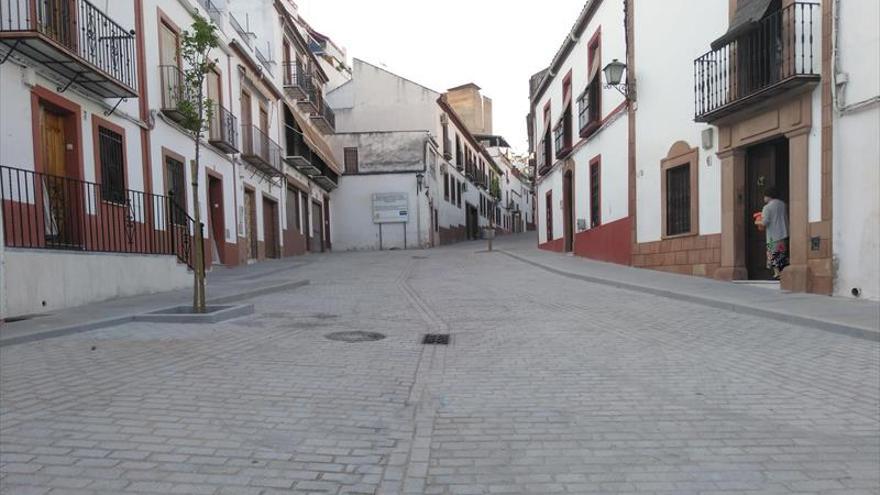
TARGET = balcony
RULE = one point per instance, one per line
(223, 130)
(260, 151)
(173, 92)
(589, 117)
(447, 145)
(311, 102)
(775, 55)
(297, 153)
(326, 178)
(75, 40)
(325, 120)
(214, 10)
(296, 80)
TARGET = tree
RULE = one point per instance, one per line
(196, 44)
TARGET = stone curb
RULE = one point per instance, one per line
(119, 320)
(819, 324)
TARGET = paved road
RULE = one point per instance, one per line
(550, 385)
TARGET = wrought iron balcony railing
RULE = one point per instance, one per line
(781, 52)
(260, 151)
(223, 130)
(296, 80)
(173, 90)
(42, 211)
(214, 10)
(325, 120)
(73, 38)
(312, 101)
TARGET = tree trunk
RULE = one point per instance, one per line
(199, 254)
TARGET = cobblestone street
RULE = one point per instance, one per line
(549, 385)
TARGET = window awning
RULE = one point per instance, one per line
(748, 13)
(315, 141)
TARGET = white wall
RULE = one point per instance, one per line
(378, 100)
(610, 141)
(353, 227)
(67, 279)
(665, 107)
(856, 175)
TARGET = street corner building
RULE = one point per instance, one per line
(95, 174)
(658, 126)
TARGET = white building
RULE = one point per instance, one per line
(96, 189)
(751, 94)
(396, 137)
(580, 132)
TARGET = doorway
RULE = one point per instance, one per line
(250, 209)
(766, 166)
(327, 223)
(270, 227)
(472, 220)
(216, 218)
(568, 210)
(317, 239)
(62, 201)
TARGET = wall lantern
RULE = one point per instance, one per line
(614, 75)
(419, 178)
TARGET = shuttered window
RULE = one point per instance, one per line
(292, 209)
(351, 160)
(111, 153)
(678, 200)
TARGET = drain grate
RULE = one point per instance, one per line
(356, 336)
(436, 339)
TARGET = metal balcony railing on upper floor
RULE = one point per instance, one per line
(223, 129)
(75, 40)
(780, 52)
(325, 120)
(258, 149)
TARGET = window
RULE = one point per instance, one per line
(176, 184)
(447, 152)
(678, 200)
(459, 187)
(446, 186)
(112, 157)
(595, 194)
(351, 160)
(590, 102)
(458, 158)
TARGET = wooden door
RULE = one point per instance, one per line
(217, 221)
(247, 134)
(250, 209)
(317, 224)
(568, 213)
(304, 211)
(270, 227)
(215, 126)
(59, 197)
(766, 166)
(327, 223)
(264, 136)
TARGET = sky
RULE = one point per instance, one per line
(497, 44)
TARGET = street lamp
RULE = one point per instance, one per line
(613, 77)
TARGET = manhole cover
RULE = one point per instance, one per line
(356, 336)
(436, 339)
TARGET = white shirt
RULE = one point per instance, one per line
(775, 220)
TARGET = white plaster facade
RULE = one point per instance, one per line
(150, 135)
(608, 142)
(856, 176)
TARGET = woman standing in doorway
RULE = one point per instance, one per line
(774, 218)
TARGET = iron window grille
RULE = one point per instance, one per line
(595, 198)
(678, 200)
(111, 153)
